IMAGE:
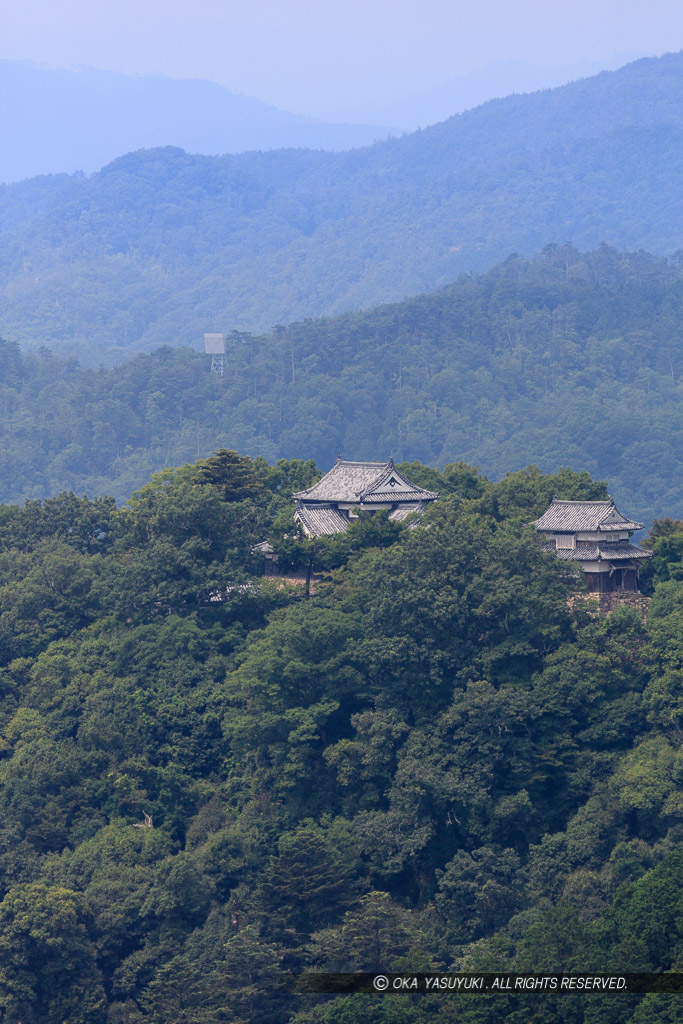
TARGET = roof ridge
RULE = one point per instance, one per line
(583, 501)
(360, 462)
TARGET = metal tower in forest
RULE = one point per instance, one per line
(214, 346)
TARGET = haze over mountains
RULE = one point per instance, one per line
(463, 92)
(160, 246)
(64, 121)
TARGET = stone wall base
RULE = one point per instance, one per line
(605, 604)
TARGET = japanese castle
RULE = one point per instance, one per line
(597, 535)
(329, 506)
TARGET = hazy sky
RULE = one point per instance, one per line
(333, 57)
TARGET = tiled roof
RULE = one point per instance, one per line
(397, 515)
(346, 481)
(320, 521)
(580, 516)
(264, 548)
(364, 482)
(622, 549)
(389, 496)
(581, 553)
(393, 486)
(599, 552)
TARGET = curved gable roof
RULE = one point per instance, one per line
(393, 486)
(364, 482)
(584, 516)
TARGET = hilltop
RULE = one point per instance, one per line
(436, 762)
(160, 246)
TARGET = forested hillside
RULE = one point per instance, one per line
(160, 246)
(431, 762)
(569, 359)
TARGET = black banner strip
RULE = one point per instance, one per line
(492, 984)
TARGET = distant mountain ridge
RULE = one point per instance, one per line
(55, 121)
(160, 246)
(463, 92)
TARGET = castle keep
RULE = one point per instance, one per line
(597, 535)
(329, 505)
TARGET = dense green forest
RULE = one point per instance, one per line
(433, 761)
(161, 246)
(568, 359)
